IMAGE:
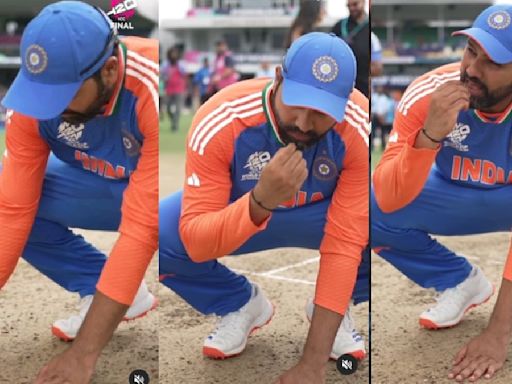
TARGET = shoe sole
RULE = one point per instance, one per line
(429, 324)
(217, 354)
(59, 333)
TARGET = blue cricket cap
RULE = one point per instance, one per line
(492, 30)
(319, 72)
(66, 43)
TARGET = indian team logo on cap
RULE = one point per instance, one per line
(36, 59)
(325, 69)
(499, 20)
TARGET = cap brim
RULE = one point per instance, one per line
(302, 95)
(492, 47)
(37, 100)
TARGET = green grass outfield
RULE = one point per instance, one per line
(376, 155)
(174, 142)
(2, 142)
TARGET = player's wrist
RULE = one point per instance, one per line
(260, 203)
(500, 330)
(433, 137)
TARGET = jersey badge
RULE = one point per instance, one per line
(255, 164)
(457, 136)
(72, 134)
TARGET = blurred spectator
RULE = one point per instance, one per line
(224, 72)
(265, 70)
(3, 110)
(376, 55)
(311, 14)
(161, 97)
(202, 81)
(355, 30)
(383, 114)
(175, 79)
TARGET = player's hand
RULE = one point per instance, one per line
(482, 356)
(302, 374)
(446, 103)
(69, 367)
(282, 177)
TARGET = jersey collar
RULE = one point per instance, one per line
(269, 114)
(494, 118)
(113, 103)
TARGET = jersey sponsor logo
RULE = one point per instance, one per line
(457, 136)
(302, 198)
(72, 134)
(255, 164)
(324, 168)
(101, 167)
(193, 180)
(479, 171)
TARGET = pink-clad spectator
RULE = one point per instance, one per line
(224, 72)
(175, 80)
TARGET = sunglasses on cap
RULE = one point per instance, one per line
(112, 38)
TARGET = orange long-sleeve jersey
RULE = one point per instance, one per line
(122, 144)
(232, 137)
(475, 155)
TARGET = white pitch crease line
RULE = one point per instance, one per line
(290, 266)
(275, 277)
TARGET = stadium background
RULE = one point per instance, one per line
(30, 302)
(255, 31)
(416, 37)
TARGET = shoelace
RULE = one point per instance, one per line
(229, 325)
(452, 297)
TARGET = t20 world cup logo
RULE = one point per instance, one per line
(122, 10)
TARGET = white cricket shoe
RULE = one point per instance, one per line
(348, 340)
(67, 329)
(453, 303)
(232, 330)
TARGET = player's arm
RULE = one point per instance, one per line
(137, 242)
(501, 319)
(211, 226)
(486, 353)
(346, 236)
(21, 179)
(411, 151)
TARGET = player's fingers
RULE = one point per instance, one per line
(294, 160)
(450, 101)
(300, 171)
(470, 368)
(450, 87)
(284, 153)
(492, 369)
(480, 369)
(460, 355)
(457, 368)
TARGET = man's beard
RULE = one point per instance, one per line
(96, 108)
(284, 130)
(487, 100)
